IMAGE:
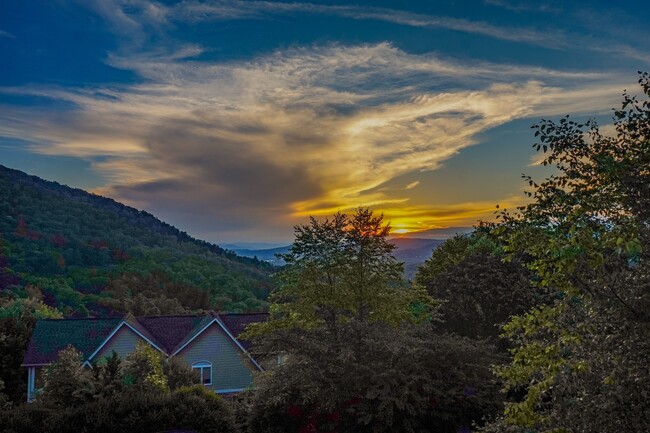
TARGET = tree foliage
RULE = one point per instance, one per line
(179, 374)
(582, 360)
(67, 382)
(119, 396)
(360, 353)
(478, 291)
(81, 250)
(341, 269)
(17, 319)
(187, 409)
(143, 369)
(373, 377)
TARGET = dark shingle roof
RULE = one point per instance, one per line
(236, 324)
(169, 331)
(50, 336)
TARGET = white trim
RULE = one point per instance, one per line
(35, 365)
(225, 391)
(201, 365)
(31, 387)
(218, 321)
(117, 328)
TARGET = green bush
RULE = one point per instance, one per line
(191, 408)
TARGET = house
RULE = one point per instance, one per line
(206, 342)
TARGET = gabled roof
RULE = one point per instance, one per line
(208, 321)
(50, 336)
(167, 333)
(129, 322)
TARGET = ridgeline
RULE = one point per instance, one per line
(89, 255)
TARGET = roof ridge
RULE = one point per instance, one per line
(242, 314)
(171, 315)
(50, 319)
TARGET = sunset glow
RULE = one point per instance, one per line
(236, 120)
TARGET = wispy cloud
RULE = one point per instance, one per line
(4, 34)
(296, 132)
(526, 6)
(412, 185)
(551, 36)
(231, 9)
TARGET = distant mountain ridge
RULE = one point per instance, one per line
(412, 251)
(90, 255)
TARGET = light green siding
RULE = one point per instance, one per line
(123, 343)
(231, 368)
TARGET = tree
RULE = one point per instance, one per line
(581, 362)
(108, 376)
(4, 400)
(179, 374)
(341, 269)
(17, 319)
(373, 377)
(132, 410)
(143, 369)
(478, 291)
(360, 352)
(67, 382)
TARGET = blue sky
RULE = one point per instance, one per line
(235, 120)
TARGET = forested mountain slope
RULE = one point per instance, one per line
(90, 255)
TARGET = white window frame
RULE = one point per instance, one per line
(202, 365)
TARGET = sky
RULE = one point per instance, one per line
(236, 120)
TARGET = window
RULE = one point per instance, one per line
(205, 371)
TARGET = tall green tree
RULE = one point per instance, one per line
(17, 319)
(359, 351)
(341, 269)
(581, 361)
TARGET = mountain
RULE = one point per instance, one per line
(412, 251)
(265, 254)
(90, 255)
(439, 233)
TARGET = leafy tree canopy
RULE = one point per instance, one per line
(340, 269)
(581, 361)
(80, 250)
(17, 319)
(478, 291)
(374, 377)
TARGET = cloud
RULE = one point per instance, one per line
(196, 11)
(148, 15)
(412, 185)
(238, 147)
(525, 6)
(193, 11)
(4, 34)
